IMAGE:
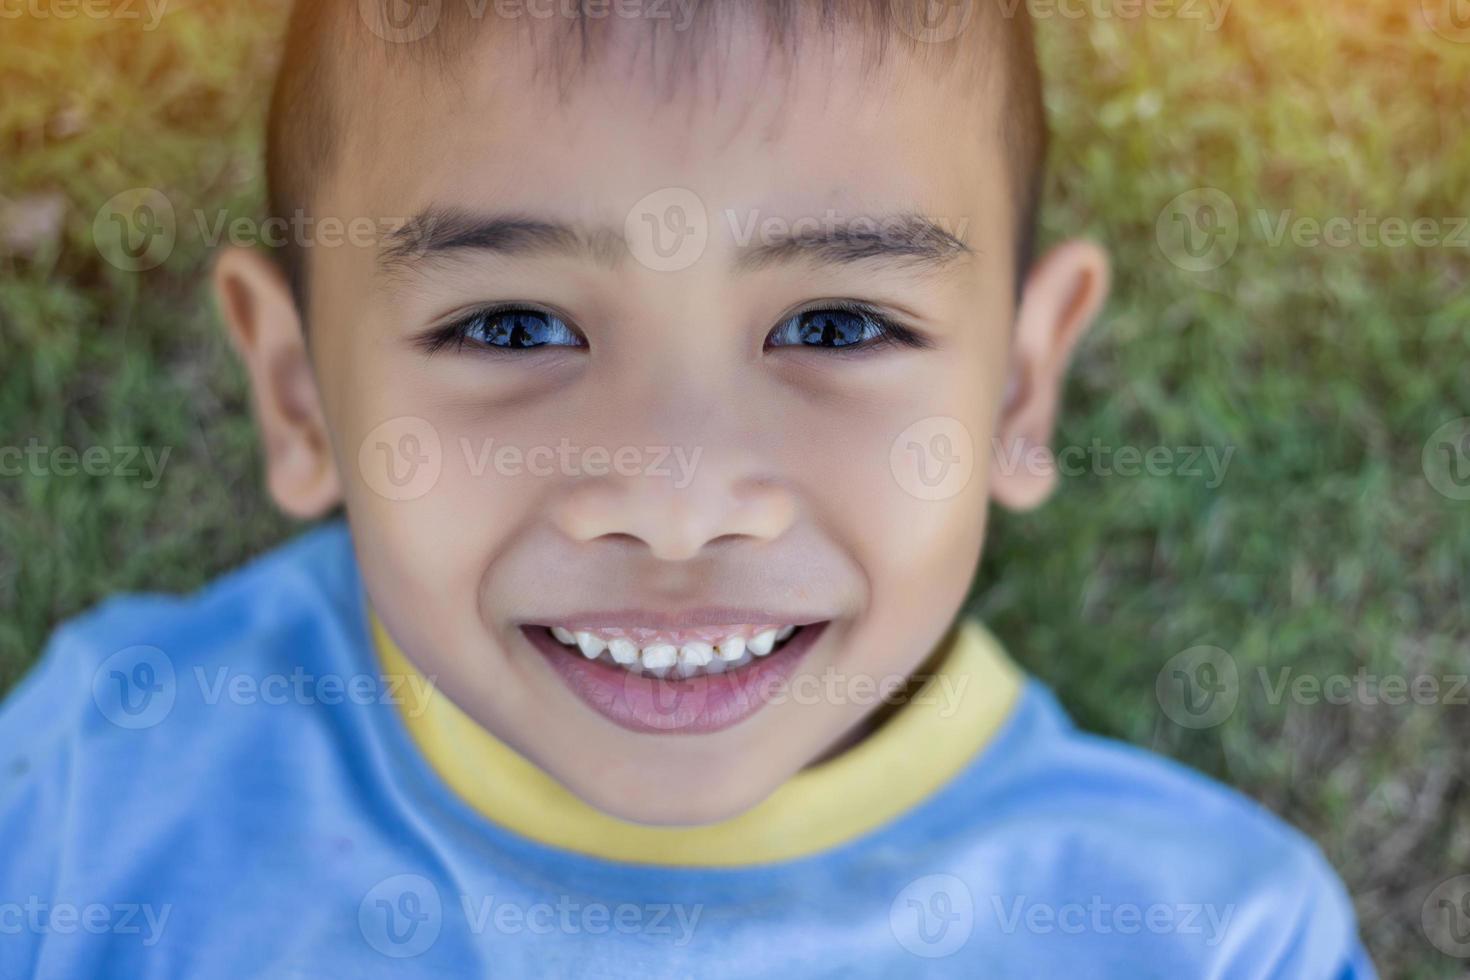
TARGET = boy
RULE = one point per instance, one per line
(656, 402)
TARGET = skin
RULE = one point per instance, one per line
(796, 504)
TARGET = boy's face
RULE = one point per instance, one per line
(763, 394)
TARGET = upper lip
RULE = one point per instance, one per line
(665, 619)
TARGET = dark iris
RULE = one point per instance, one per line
(826, 328)
(520, 329)
(832, 328)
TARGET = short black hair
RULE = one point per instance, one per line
(307, 114)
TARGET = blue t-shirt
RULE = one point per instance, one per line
(222, 811)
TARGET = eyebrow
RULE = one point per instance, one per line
(442, 231)
(903, 238)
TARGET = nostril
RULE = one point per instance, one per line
(726, 539)
(622, 538)
(673, 525)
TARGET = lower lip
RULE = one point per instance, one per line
(672, 706)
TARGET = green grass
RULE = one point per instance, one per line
(1324, 550)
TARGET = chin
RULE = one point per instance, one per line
(670, 807)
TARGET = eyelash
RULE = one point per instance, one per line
(889, 332)
(457, 333)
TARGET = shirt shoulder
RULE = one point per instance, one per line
(116, 668)
(160, 725)
(1101, 840)
(128, 694)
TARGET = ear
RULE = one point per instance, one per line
(266, 331)
(1063, 294)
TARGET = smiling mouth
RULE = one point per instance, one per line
(685, 680)
(676, 654)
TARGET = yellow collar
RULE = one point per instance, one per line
(914, 753)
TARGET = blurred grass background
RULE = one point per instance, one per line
(1325, 550)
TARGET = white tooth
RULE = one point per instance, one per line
(716, 666)
(590, 645)
(761, 643)
(741, 661)
(563, 635)
(733, 648)
(624, 651)
(660, 655)
(785, 633)
(659, 672)
(696, 654)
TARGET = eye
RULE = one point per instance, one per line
(842, 326)
(506, 329)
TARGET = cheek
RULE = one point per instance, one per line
(906, 461)
(902, 481)
(913, 526)
(435, 489)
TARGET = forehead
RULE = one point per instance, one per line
(748, 129)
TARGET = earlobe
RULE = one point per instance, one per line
(1062, 297)
(266, 331)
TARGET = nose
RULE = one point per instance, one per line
(676, 520)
